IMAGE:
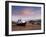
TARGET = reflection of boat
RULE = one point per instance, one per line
(21, 23)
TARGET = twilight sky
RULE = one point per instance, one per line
(26, 13)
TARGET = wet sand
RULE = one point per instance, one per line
(28, 26)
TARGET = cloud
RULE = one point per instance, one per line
(31, 13)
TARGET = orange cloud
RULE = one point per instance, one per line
(26, 12)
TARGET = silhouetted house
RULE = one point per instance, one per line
(38, 22)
